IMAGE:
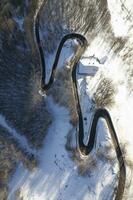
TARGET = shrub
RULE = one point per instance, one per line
(86, 164)
(7, 9)
(62, 92)
(16, 3)
(11, 25)
(10, 155)
(71, 141)
(106, 153)
(104, 94)
(3, 192)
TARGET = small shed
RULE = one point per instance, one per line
(87, 70)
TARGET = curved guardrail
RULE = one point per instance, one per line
(84, 149)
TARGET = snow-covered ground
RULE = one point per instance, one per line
(57, 176)
(122, 110)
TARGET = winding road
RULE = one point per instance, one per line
(99, 113)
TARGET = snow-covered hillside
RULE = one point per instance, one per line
(62, 173)
(57, 176)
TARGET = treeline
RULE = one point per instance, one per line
(19, 9)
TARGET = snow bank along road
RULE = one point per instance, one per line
(84, 149)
